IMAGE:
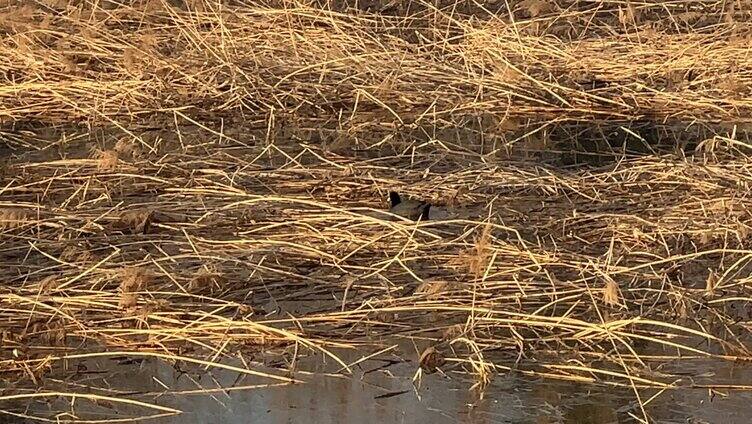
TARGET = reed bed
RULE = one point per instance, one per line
(203, 181)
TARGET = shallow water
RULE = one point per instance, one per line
(378, 391)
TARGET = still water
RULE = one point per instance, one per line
(378, 391)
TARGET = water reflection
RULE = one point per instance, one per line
(375, 393)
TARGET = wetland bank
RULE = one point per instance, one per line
(194, 211)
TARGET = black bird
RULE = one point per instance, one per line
(409, 208)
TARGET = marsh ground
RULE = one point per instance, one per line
(192, 192)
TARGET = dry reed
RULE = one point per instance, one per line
(181, 179)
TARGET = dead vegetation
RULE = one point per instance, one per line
(200, 181)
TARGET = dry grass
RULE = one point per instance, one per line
(179, 180)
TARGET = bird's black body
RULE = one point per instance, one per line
(408, 208)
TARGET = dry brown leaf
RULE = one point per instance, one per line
(728, 16)
(743, 230)
(431, 360)
(75, 254)
(205, 280)
(107, 160)
(432, 289)
(509, 125)
(126, 148)
(689, 17)
(611, 295)
(683, 310)
(128, 301)
(711, 282)
(452, 332)
(537, 7)
(49, 283)
(134, 279)
(138, 221)
(15, 217)
(732, 84)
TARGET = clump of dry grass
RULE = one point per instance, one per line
(476, 258)
(132, 281)
(107, 160)
(77, 254)
(434, 290)
(14, 217)
(364, 66)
